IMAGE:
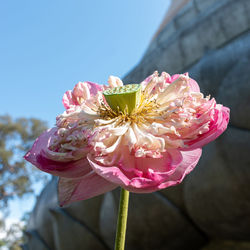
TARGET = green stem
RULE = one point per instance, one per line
(122, 220)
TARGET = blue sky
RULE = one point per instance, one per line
(46, 47)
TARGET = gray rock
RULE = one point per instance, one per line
(148, 216)
(217, 195)
(234, 92)
(178, 47)
(227, 245)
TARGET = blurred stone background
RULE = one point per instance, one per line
(210, 210)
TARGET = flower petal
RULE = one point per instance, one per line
(40, 143)
(191, 82)
(145, 82)
(174, 90)
(193, 85)
(190, 160)
(114, 81)
(138, 172)
(68, 99)
(69, 169)
(76, 189)
(82, 91)
(217, 126)
(111, 173)
(94, 88)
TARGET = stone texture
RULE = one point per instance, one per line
(235, 92)
(65, 228)
(73, 236)
(175, 196)
(225, 75)
(202, 32)
(148, 215)
(227, 245)
(188, 13)
(203, 5)
(108, 218)
(42, 235)
(217, 195)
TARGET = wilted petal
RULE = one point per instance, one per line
(76, 189)
(111, 148)
(147, 141)
(40, 143)
(64, 169)
(69, 169)
(130, 138)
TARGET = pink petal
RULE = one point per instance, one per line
(110, 173)
(94, 88)
(145, 82)
(68, 99)
(65, 169)
(148, 79)
(81, 89)
(190, 160)
(40, 143)
(131, 174)
(70, 169)
(191, 82)
(162, 166)
(217, 126)
(193, 85)
(114, 81)
(174, 77)
(76, 189)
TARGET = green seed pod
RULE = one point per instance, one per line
(123, 98)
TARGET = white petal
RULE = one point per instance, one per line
(174, 90)
(115, 82)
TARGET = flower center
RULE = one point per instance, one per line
(124, 98)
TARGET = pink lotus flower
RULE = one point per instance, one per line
(95, 148)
